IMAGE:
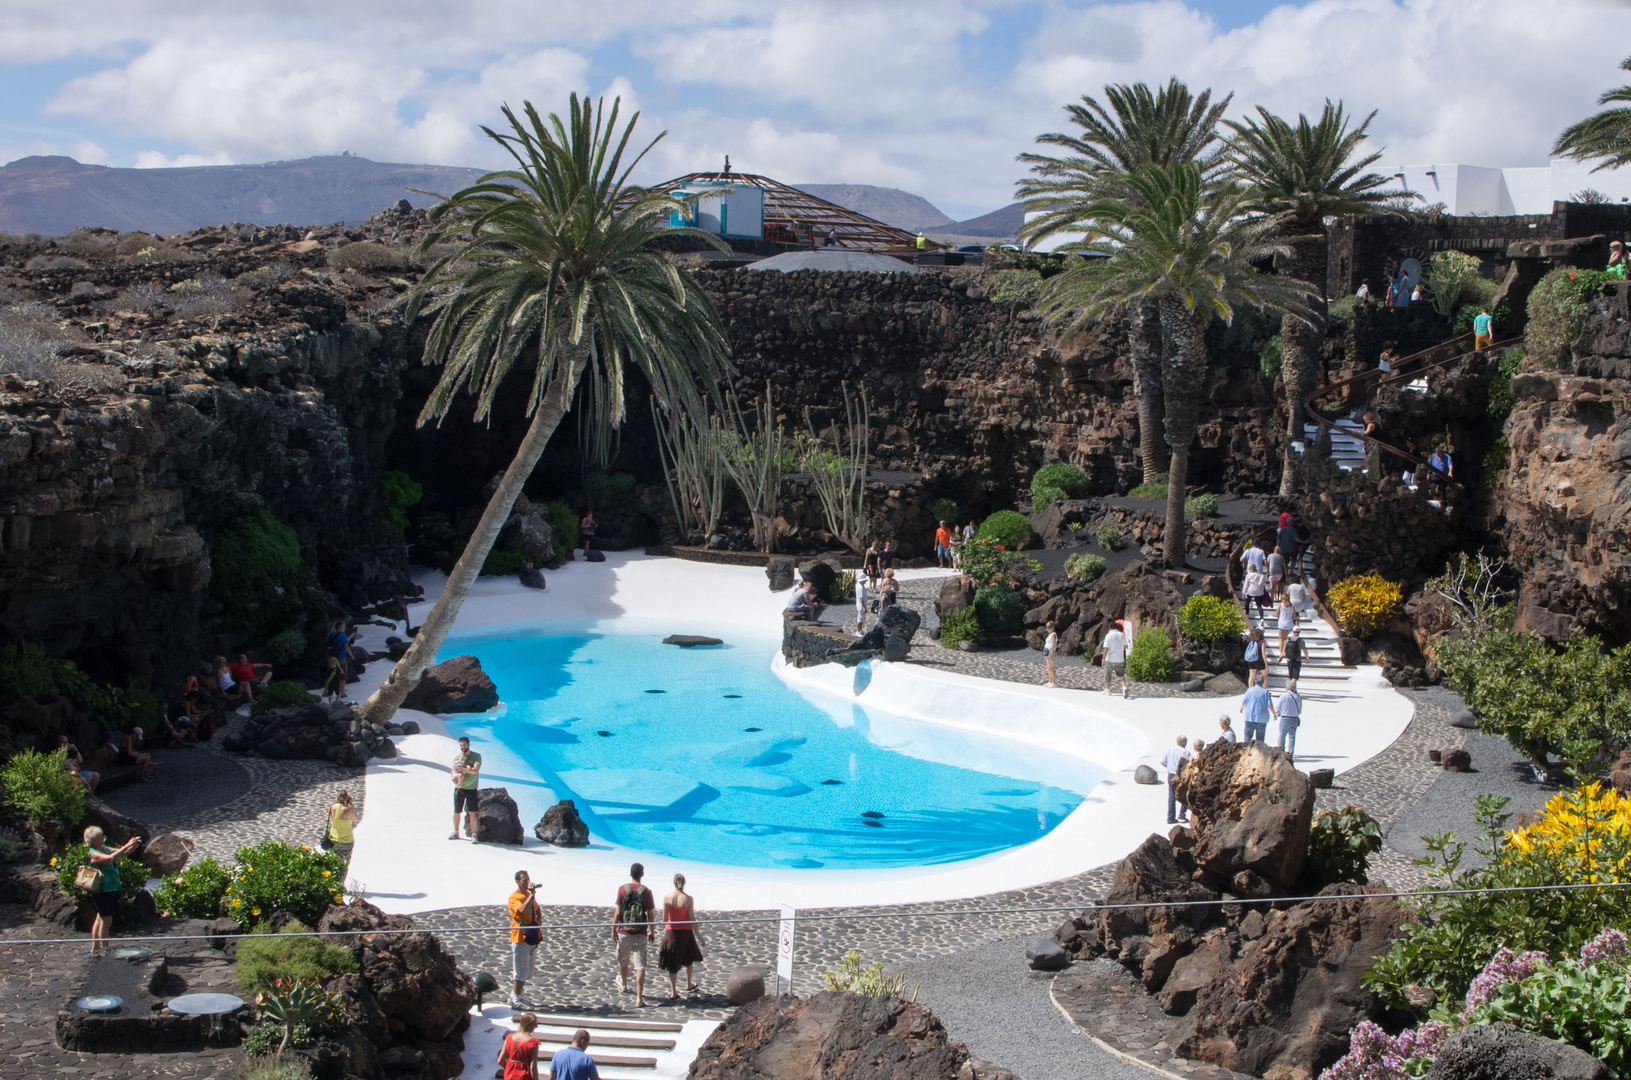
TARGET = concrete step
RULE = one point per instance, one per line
(593, 1023)
(623, 1042)
(608, 1060)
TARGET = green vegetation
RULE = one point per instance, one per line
(400, 491)
(1151, 659)
(1605, 137)
(1204, 505)
(1365, 603)
(564, 523)
(1009, 528)
(1270, 357)
(961, 626)
(1452, 279)
(1501, 402)
(40, 788)
(503, 562)
(282, 694)
(946, 510)
(1157, 491)
(263, 1064)
(132, 876)
(1496, 459)
(1014, 287)
(1339, 848)
(986, 561)
(1210, 618)
(27, 670)
(1085, 566)
(260, 579)
(263, 958)
(276, 876)
(604, 489)
(842, 587)
(1058, 480)
(1557, 311)
(1341, 310)
(196, 892)
(1000, 609)
(1109, 538)
(369, 256)
(850, 978)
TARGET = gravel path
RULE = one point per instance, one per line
(987, 998)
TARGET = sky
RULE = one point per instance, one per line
(936, 97)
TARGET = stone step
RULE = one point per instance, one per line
(608, 1060)
(591, 1023)
(620, 1041)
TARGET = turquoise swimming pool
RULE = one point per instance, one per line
(706, 754)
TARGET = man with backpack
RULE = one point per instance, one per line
(631, 929)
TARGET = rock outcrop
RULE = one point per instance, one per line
(562, 826)
(1503, 1052)
(498, 821)
(1082, 612)
(1252, 812)
(458, 685)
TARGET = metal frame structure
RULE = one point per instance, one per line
(792, 216)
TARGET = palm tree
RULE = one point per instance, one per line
(1607, 135)
(1136, 127)
(1190, 248)
(552, 266)
(1299, 175)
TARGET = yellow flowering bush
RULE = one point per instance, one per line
(276, 876)
(1365, 603)
(1587, 831)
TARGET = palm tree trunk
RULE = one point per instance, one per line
(1301, 346)
(1183, 378)
(1144, 344)
(433, 630)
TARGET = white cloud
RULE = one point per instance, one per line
(88, 153)
(154, 159)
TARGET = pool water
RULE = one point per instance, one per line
(706, 754)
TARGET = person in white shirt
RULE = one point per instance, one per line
(1290, 710)
(1226, 730)
(862, 596)
(1252, 557)
(1174, 761)
(1113, 654)
(1049, 647)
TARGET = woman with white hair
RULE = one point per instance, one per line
(105, 897)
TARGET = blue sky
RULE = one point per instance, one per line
(933, 96)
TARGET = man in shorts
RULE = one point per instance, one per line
(466, 777)
(632, 913)
(523, 913)
(942, 545)
(1113, 654)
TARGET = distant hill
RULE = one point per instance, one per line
(54, 195)
(998, 223)
(891, 206)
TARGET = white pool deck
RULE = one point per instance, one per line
(406, 864)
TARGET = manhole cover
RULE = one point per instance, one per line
(205, 1004)
(100, 1003)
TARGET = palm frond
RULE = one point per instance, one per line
(1305, 172)
(1604, 137)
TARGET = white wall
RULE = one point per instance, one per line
(1479, 190)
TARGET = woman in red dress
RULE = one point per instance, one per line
(682, 942)
(519, 1054)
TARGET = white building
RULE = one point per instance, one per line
(1480, 191)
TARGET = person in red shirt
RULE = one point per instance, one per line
(631, 929)
(942, 545)
(256, 675)
(519, 1054)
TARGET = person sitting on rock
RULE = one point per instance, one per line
(124, 752)
(804, 602)
(252, 675)
(236, 693)
(88, 778)
(173, 734)
(888, 592)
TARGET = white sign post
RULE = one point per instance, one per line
(784, 951)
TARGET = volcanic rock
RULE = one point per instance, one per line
(1502, 1052)
(821, 573)
(1145, 775)
(562, 826)
(453, 686)
(746, 983)
(1252, 811)
(166, 855)
(1045, 955)
(956, 593)
(780, 572)
(690, 641)
(1455, 759)
(415, 983)
(497, 819)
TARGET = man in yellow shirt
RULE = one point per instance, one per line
(523, 942)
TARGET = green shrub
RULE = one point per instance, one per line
(503, 562)
(985, 561)
(368, 256)
(1210, 618)
(946, 510)
(1058, 480)
(1496, 459)
(851, 978)
(1001, 610)
(40, 788)
(1109, 538)
(263, 1064)
(1341, 310)
(1339, 848)
(261, 581)
(1204, 505)
(132, 876)
(604, 488)
(1150, 659)
(1501, 401)
(1149, 491)
(1014, 287)
(401, 492)
(196, 892)
(26, 670)
(11, 849)
(961, 626)
(276, 876)
(1009, 528)
(1365, 603)
(842, 587)
(1085, 566)
(265, 958)
(287, 647)
(565, 525)
(282, 694)
(1270, 357)
(1557, 311)
(1499, 316)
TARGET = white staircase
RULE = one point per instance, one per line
(1324, 677)
(622, 1049)
(1347, 450)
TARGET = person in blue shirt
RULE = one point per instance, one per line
(1174, 762)
(1482, 327)
(1257, 708)
(1290, 711)
(573, 1062)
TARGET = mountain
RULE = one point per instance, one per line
(54, 195)
(1002, 223)
(891, 206)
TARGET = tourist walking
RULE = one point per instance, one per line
(339, 647)
(942, 546)
(1294, 652)
(1285, 622)
(1256, 662)
(1385, 362)
(1290, 711)
(103, 861)
(1226, 729)
(1277, 575)
(682, 941)
(886, 557)
(333, 680)
(1049, 645)
(631, 928)
(1174, 762)
(888, 592)
(1482, 330)
(524, 937)
(518, 1057)
(869, 565)
(1286, 540)
(342, 815)
(1255, 590)
(1113, 655)
(1251, 557)
(1256, 708)
(466, 780)
(573, 1062)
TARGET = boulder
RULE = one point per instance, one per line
(594, 555)
(166, 855)
(832, 1036)
(1152, 872)
(1286, 1005)
(894, 649)
(746, 984)
(820, 573)
(1043, 954)
(902, 622)
(1455, 759)
(532, 577)
(1392, 650)
(562, 826)
(415, 983)
(410, 727)
(497, 819)
(1145, 775)
(1227, 684)
(529, 532)
(956, 593)
(780, 572)
(1193, 973)
(453, 686)
(1252, 812)
(1465, 720)
(1322, 778)
(1212, 657)
(690, 641)
(1503, 1052)
(118, 827)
